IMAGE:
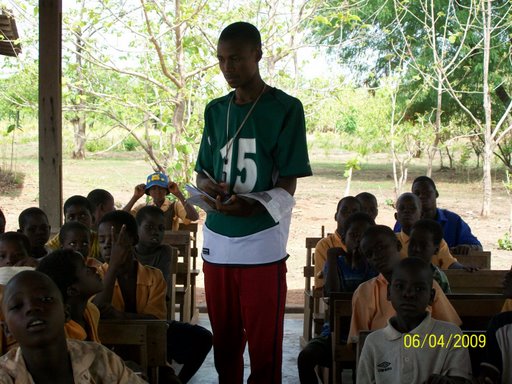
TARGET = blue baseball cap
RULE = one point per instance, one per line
(158, 179)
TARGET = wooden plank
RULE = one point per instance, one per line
(480, 259)
(483, 281)
(475, 310)
(50, 110)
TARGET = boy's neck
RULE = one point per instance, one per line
(50, 362)
(405, 324)
(38, 252)
(429, 214)
(250, 91)
(145, 249)
(407, 230)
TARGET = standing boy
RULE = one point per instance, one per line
(254, 140)
(386, 357)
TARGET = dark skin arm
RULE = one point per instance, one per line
(464, 249)
(467, 268)
(238, 206)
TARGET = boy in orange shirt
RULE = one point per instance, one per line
(134, 291)
(370, 306)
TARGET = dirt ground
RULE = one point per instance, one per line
(317, 196)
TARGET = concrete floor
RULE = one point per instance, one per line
(291, 348)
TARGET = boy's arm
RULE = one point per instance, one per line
(331, 275)
(191, 213)
(138, 192)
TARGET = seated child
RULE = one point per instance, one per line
(369, 204)
(408, 212)
(132, 291)
(425, 237)
(101, 202)
(150, 250)
(385, 357)
(158, 187)
(2, 222)
(35, 316)
(33, 223)
(346, 207)
(77, 208)
(370, 307)
(496, 367)
(14, 250)
(344, 271)
(77, 283)
(75, 236)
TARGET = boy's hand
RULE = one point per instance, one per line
(121, 249)
(470, 268)
(139, 191)
(236, 206)
(211, 188)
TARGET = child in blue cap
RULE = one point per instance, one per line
(158, 187)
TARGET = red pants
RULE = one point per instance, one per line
(246, 304)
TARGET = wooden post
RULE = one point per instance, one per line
(50, 110)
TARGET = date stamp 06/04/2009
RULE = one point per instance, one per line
(456, 340)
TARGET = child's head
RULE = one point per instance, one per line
(425, 188)
(150, 221)
(101, 202)
(408, 210)
(381, 247)
(346, 207)
(369, 204)
(355, 226)
(14, 248)
(75, 236)
(242, 41)
(157, 186)
(33, 223)
(425, 239)
(2, 222)
(115, 220)
(72, 276)
(78, 208)
(410, 290)
(33, 310)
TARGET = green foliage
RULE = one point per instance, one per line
(130, 144)
(505, 243)
(97, 145)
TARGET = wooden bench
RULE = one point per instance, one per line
(475, 309)
(192, 228)
(141, 341)
(480, 259)
(482, 281)
(181, 241)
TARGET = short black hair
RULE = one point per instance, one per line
(78, 200)
(345, 199)
(19, 237)
(71, 226)
(99, 196)
(61, 267)
(432, 227)
(367, 196)
(241, 31)
(26, 213)
(148, 210)
(425, 179)
(356, 218)
(413, 263)
(408, 195)
(377, 230)
(27, 274)
(122, 218)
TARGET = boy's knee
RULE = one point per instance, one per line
(306, 358)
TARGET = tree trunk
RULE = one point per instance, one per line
(349, 180)
(488, 139)
(78, 123)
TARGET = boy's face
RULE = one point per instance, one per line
(427, 195)
(158, 194)
(410, 291)
(11, 253)
(33, 311)
(381, 251)
(103, 209)
(238, 61)
(346, 208)
(88, 281)
(369, 207)
(77, 240)
(37, 230)
(421, 245)
(354, 234)
(105, 238)
(151, 230)
(79, 213)
(408, 211)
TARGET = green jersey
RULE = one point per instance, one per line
(271, 144)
